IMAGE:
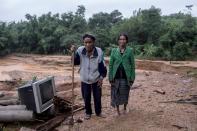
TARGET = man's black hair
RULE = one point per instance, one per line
(89, 36)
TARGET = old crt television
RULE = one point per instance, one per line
(38, 96)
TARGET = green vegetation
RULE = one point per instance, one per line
(151, 35)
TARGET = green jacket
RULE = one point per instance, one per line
(127, 60)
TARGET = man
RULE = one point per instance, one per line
(92, 71)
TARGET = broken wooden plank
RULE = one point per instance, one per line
(62, 106)
(51, 124)
(79, 109)
(56, 121)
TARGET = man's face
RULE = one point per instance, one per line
(89, 44)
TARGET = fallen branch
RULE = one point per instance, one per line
(181, 101)
(179, 127)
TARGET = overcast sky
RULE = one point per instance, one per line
(15, 10)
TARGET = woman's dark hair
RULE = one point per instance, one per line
(125, 35)
(89, 36)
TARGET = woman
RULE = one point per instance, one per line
(121, 73)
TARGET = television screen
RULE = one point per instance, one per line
(38, 96)
(46, 91)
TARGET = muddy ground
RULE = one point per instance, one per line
(153, 102)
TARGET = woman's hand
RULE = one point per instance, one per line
(111, 82)
(130, 83)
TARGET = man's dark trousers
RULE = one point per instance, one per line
(86, 90)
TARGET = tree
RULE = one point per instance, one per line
(99, 20)
(150, 34)
(151, 24)
(4, 39)
(116, 16)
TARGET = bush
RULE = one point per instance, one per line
(137, 49)
(167, 55)
(149, 50)
(181, 51)
(159, 52)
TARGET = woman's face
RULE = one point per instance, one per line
(122, 41)
(89, 44)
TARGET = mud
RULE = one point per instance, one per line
(147, 108)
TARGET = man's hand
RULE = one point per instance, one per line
(100, 82)
(72, 48)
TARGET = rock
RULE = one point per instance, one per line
(160, 91)
(79, 120)
(179, 95)
(2, 94)
(135, 86)
(147, 73)
(162, 105)
(26, 129)
(187, 81)
(187, 111)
